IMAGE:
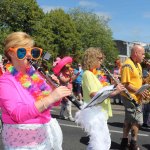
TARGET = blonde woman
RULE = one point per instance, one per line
(92, 60)
(26, 99)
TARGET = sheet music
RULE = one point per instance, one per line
(101, 95)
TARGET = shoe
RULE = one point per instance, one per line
(134, 146)
(124, 144)
(81, 102)
(71, 119)
(145, 125)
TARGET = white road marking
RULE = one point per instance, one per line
(112, 131)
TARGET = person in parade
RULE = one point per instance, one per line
(92, 60)
(26, 99)
(77, 83)
(62, 68)
(131, 78)
(117, 74)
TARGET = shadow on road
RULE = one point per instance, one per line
(147, 146)
(145, 129)
(55, 116)
(114, 145)
(84, 140)
(116, 124)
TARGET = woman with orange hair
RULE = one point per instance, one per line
(117, 74)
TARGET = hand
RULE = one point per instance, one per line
(120, 88)
(145, 94)
(55, 78)
(59, 93)
(78, 73)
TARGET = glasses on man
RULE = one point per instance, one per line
(21, 52)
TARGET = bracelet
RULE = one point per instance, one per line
(43, 104)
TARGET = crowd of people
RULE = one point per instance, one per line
(26, 109)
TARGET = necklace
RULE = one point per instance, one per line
(101, 76)
(31, 81)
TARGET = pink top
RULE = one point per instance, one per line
(17, 104)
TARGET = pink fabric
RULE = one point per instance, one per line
(17, 104)
(60, 63)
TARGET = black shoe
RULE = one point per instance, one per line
(134, 146)
(124, 144)
(145, 125)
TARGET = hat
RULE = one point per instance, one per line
(60, 63)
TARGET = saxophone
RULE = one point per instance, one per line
(146, 80)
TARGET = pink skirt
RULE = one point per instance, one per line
(32, 136)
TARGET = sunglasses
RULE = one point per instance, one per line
(21, 52)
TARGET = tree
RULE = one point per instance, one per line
(20, 15)
(94, 31)
(64, 33)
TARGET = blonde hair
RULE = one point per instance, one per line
(90, 58)
(17, 39)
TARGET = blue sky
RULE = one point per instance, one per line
(129, 19)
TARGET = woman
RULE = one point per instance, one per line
(62, 68)
(26, 99)
(92, 60)
(117, 74)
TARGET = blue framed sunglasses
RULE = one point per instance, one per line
(21, 52)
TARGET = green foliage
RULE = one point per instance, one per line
(57, 32)
(64, 33)
(94, 31)
(20, 15)
(147, 55)
(3, 34)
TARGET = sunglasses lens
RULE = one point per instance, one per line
(21, 53)
(35, 52)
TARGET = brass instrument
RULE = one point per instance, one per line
(146, 80)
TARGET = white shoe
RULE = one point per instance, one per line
(71, 119)
(81, 102)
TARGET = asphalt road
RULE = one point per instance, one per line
(76, 139)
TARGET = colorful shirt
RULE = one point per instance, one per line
(18, 105)
(91, 84)
(132, 74)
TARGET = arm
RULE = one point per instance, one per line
(21, 106)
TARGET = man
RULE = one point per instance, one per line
(77, 83)
(131, 77)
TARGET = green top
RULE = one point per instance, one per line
(90, 84)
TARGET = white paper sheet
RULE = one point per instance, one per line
(101, 95)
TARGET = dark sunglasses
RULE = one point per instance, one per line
(21, 52)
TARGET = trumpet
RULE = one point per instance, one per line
(52, 83)
(117, 82)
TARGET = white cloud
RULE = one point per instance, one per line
(147, 15)
(84, 3)
(49, 8)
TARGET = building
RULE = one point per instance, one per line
(124, 48)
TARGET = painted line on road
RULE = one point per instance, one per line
(112, 131)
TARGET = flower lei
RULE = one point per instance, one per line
(101, 76)
(31, 81)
